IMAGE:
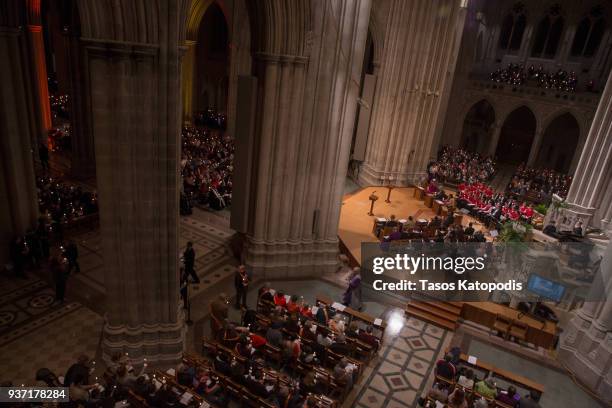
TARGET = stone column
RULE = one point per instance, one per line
(586, 346)
(305, 117)
(188, 82)
(240, 60)
(592, 176)
(418, 63)
(18, 200)
(606, 209)
(38, 68)
(83, 158)
(535, 147)
(134, 82)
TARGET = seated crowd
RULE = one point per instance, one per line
(492, 208)
(315, 348)
(459, 165)
(458, 386)
(515, 74)
(435, 230)
(539, 183)
(62, 202)
(210, 118)
(61, 206)
(206, 168)
(59, 135)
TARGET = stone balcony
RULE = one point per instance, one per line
(552, 96)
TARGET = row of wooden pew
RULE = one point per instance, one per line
(324, 376)
(362, 350)
(486, 370)
(378, 325)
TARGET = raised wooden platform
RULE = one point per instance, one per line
(439, 313)
(355, 224)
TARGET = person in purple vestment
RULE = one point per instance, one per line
(352, 295)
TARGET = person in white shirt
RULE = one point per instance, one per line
(467, 380)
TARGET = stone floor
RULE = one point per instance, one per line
(35, 332)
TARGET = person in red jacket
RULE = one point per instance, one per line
(279, 299)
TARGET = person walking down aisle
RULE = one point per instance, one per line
(189, 259)
(352, 295)
(241, 283)
(59, 277)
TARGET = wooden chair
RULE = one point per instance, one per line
(502, 325)
(518, 330)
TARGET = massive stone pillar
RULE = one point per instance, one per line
(421, 46)
(18, 201)
(134, 79)
(308, 85)
(83, 157)
(38, 68)
(188, 81)
(240, 59)
(591, 186)
(586, 346)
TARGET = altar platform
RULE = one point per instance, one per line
(356, 225)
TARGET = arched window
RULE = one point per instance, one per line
(548, 34)
(589, 33)
(513, 28)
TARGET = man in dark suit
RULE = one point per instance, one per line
(241, 283)
(189, 259)
(339, 346)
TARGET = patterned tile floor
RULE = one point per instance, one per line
(404, 365)
(35, 332)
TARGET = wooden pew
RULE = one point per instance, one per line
(511, 377)
(361, 348)
(356, 315)
(323, 375)
(237, 391)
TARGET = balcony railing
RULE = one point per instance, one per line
(527, 90)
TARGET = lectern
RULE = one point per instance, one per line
(390, 187)
(373, 197)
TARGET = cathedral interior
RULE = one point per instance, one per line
(193, 194)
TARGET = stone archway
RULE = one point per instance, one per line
(517, 135)
(559, 143)
(206, 60)
(478, 126)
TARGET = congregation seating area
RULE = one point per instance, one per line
(493, 209)
(206, 168)
(516, 75)
(457, 165)
(64, 203)
(462, 380)
(315, 352)
(445, 226)
(538, 185)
